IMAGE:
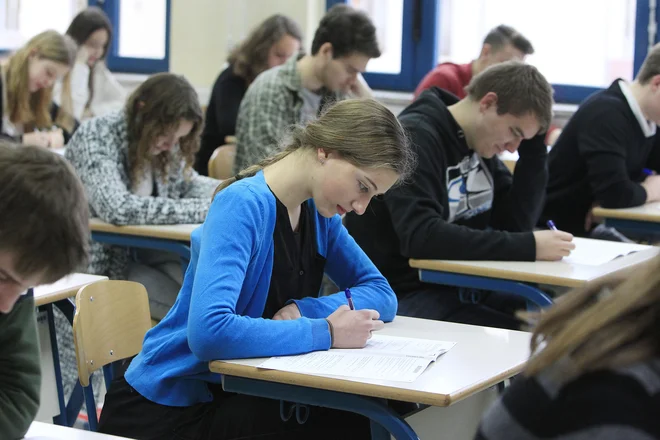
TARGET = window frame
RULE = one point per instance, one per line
(419, 55)
(120, 64)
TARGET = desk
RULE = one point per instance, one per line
(59, 293)
(170, 238)
(46, 431)
(482, 357)
(642, 220)
(511, 276)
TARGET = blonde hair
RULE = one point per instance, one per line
(33, 109)
(610, 324)
(156, 107)
(362, 131)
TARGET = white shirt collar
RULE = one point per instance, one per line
(648, 128)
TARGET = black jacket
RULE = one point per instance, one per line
(598, 159)
(221, 113)
(457, 205)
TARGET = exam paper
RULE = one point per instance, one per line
(384, 358)
(597, 252)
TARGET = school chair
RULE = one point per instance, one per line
(109, 325)
(221, 163)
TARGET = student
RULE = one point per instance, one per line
(28, 114)
(462, 203)
(270, 44)
(600, 156)
(136, 165)
(295, 92)
(502, 43)
(595, 368)
(43, 236)
(93, 91)
(251, 288)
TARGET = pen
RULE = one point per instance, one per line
(551, 225)
(349, 298)
(647, 172)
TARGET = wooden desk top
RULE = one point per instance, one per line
(556, 273)
(170, 232)
(66, 287)
(644, 213)
(46, 431)
(481, 358)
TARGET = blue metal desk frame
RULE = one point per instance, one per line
(530, 293)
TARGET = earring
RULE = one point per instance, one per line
(322, 161)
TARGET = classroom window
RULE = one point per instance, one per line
(23, 19)
(141, 34)
(387, 16)
(591, 46)
(579, 52)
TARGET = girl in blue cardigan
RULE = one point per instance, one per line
(251, 289)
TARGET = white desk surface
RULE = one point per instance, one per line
(555, 273)
(644, 213)
(481, 358)
(47, 431)
(66, 287)
(172, 232)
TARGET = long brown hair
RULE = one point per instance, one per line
(157, 107)
(613, 323)
(81, 28)
(250, 58)
(34, 108)
(362, 131)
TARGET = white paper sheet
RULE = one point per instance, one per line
(384, 358)
(597, 252)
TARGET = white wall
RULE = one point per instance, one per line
(203, 31)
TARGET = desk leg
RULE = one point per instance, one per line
(531, 294)
(60, 419)
(73, 406)
(384, 420)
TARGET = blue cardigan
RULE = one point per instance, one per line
(217, 314)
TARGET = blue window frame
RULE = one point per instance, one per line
(421, 25)
(117, 63)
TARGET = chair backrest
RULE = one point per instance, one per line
(221, 163)
(109, 325)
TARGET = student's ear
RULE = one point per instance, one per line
(488, 100)
(326, 50)
(322, 155)
(654, 82)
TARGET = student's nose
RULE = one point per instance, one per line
(359, 207)
(512, 146)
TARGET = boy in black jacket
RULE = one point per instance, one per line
(43, 236)
(600, 157)
(462, 203)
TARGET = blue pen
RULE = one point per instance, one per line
(551, 225)
(647, 172)
(349, 298)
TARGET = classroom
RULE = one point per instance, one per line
(325, 219)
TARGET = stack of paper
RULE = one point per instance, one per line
(383, 358)
(597, 252)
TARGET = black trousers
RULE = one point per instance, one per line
(230, 416)
(444, 303)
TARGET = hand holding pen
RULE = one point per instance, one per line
(352, 328)
(553, 245)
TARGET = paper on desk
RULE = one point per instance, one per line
(597, 252)
(384, 358)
